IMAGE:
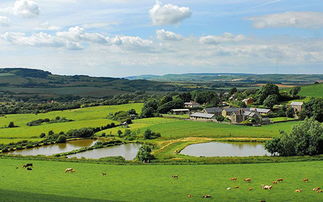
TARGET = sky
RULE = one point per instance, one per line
(119, 38)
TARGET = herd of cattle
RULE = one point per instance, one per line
(29, 166)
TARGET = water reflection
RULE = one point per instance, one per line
(225, 149)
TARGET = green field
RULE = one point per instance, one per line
(174, 128)
(84, 117)
(47, 181)
(315, 90)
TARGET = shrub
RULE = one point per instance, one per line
(61, 139)
(148, 134)
(144, 154)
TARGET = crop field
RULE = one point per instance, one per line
(84, 117)
(174, 128)
(315, 90)
(48, 181)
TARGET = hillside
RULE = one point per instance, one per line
(30, 82)
(315, 90)
(288, 79)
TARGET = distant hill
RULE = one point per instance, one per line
(30, 82)
(288, 79)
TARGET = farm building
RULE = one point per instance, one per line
(260, 110)
(191, 104)
(297, 106)
(248, 101)
(202, 116)
(213, 110)
(180, 111)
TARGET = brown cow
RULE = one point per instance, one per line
(280, 180)
(233, 178)
(305, 180)
(247, 180)
(250, 188)
(189, 196)
(275, 182)
(316, 189)
(267, 187)
(69, 170)
(175, 176)
(298, 190)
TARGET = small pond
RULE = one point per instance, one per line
(49, 150)
(127, 151)
(213, 149)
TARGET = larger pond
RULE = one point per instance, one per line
(213, 149)
(127, 151)
(49, 150)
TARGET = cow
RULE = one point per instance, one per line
(175, 176)
(319, 191)
(104, 174)
(189, 196)
(305, 180)
(298, 190)
(316, 189)
(247, 180)
(233, 178)
(206, 196)
(69, 170)
(280, 180)
(228, 188)
(29, 168)
(267, 187)
(250, 188)
(275, 182)
(27, 165)
(236, 187)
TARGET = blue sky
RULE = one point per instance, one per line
(126, 37)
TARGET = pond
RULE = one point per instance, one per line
(49, 150)
(214, 149)
(127, 151)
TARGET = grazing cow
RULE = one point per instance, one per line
(104, 174)
(206, 196)
(275, 182)
(250, 188)
(319, 191)
(298, 190)
(175, 176)
(233, 178)
(267, 187)
(262, 201)
(27, 165)
(189, 196)
(316, 189)
(305, 180)
(280, 180)
(29, 168)
(236, 187)
(69, 170)
(247, 180)
(228, 188)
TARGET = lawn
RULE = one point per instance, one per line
(315, 90)
(174, 128)
(84, 117)
(47, 181)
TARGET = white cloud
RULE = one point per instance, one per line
(47, 26)
(168, 14)
(167, 35)
(4, 21)
(78, 34)
(26, 8)
(131, 42)
(226, 37)
(289, 19)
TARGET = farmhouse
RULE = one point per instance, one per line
(213, 110)
(191, 104)
(180, 111)
(297, 106)
(202, 116)
(260, 110)
(248, 101)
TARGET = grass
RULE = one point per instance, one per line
(280, 119)
(315, 90)
(7, 141)
(173, 128)
(84, 117)
(47, 181)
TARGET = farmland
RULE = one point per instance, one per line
(315, 90)
(197, 180)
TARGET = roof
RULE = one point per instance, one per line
(260, 110)
(190, 103)
(231, 109)
(202, 115)
(297, 103)
(180, 110)
(213, 110)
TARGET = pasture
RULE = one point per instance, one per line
(315, 90)
(174, 128)
(84, 117)
(47, 181)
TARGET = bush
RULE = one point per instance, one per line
(148, 134)
(61, 139)
(42, 135)
(144, 154)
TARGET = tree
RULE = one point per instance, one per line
(270, 101)
(148, 134)
(233, 91)
(313, 108)
(119, 133)
(294, 91)
(61, 139)
(165, 99)
(42, 135)
(265, 91)
(11, 125)
(290, 112)
(304, 139)
(144, 154)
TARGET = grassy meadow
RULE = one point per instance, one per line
(47, 181)
(315, 90)
(84, 117)
(175, 128)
